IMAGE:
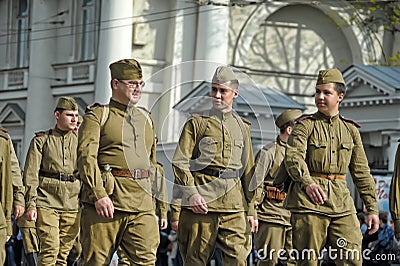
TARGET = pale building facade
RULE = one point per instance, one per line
(50, 48)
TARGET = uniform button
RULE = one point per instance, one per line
(333, 151)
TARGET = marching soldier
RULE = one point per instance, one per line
(213, 165)
(321, 149)
(7, 156)
(52, 186)
(275, 231)
(116, 159)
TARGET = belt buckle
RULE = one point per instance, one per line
(136, 173)
(331, 177)
(63, 177)
(220, 173)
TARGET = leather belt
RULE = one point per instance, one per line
(274, 194)
(60, 176)
(135, 173)
(223, 173)
(328, 176)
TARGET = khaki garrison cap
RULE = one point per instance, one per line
(67, 103)
(287, 116)
(126, 69)
(224, 74)
(332, 75)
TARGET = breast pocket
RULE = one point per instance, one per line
(208, 148)
(345, 151)
(317, 150)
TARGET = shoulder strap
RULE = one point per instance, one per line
(202, 126)
(357, 125)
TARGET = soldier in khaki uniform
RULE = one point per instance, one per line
(394, 198)
(52, 186)
(6, 185)
(116, 159)
(213, 164)
(321, 149)
(275, 231)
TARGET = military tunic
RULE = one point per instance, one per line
(218, 141)
(6, 198)
(53, 152)
(394, 197)
(275, 231)
(327, 145)
(124, 141)
(18, 187)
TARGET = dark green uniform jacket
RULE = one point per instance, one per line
(319, 144)
(125, 141)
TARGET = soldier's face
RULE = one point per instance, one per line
(327, 99)
(222, 96)
(66, 120)
(127, 91)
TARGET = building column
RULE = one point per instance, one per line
(40, 103)
(211, 39)
(115, 42)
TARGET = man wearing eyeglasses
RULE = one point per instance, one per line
(116, 160)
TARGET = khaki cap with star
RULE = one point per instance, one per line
(126, 69)
(332, 75)
(287, 116)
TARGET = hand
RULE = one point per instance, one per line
(198, 204)
(8, 238)
(253, 224)
(105, 207)
(175, 225)
(372, 219)
(163, 224)
(316, 194)
(18, 211)
(31, 215)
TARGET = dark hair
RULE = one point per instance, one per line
(285, 126)
(340, 88)
(383, 215)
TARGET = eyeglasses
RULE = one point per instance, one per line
(133, 84)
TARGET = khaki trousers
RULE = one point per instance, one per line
(198, 235)
(57, 232)
(30, 238)
(136, 234)
(270, 240)
(3, 239)
(340, 235)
